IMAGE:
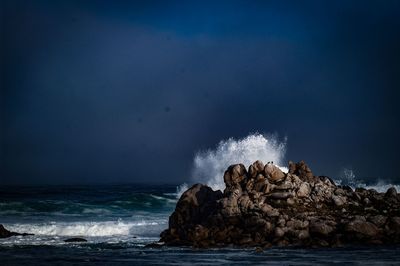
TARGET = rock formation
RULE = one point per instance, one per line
(4, 233)
(263, 207)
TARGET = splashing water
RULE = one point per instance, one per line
(210, 165)
(348, 178)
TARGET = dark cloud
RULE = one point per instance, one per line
(100, 91)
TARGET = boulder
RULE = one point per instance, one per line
(393, 226)
(391, 193)
(339, 200)
(256, 168)
(273, 172)
(378, 220)
(322, 228)
(280, 195)
(304, 190)
(197, 202)
(361, 229)
(235, 174)
(302, 170)
(260, 183)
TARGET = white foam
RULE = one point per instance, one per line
(209, 166)
(87, 229)
(181, 189)
(349, 178)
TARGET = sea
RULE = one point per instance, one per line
(118, 221)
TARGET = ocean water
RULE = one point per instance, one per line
(119, 220)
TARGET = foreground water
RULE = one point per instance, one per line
(119, 220)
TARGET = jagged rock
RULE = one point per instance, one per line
(256, 168)
(260, 183)
(302, 170)
(391, 193)
(362, 229)
(196, 203)
(264, 207)
(304, 190)
(245, 203)
(338, 200)
(273, 172)
(4, 233)
(378, 220)
(234, 175)
(322, 228)
(269, 210)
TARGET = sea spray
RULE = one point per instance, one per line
(89, 228)
(209, 166)
(348, 177)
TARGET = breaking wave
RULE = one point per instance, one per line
(209, 165)
(90, 229)
(348, 177)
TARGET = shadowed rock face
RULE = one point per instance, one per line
(4, 233)
(264, 207)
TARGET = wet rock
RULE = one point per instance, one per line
(391, 193)
(4, 233)
(362, 229)
(322, 228)
(258, 250)
(155, 245)
(75, 239)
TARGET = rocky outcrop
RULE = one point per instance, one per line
(4, 233)
(263, 206)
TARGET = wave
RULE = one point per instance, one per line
(210, 165)
(348, 177)
(91, 229)
(125, 205)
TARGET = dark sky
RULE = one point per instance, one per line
(118, 91)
